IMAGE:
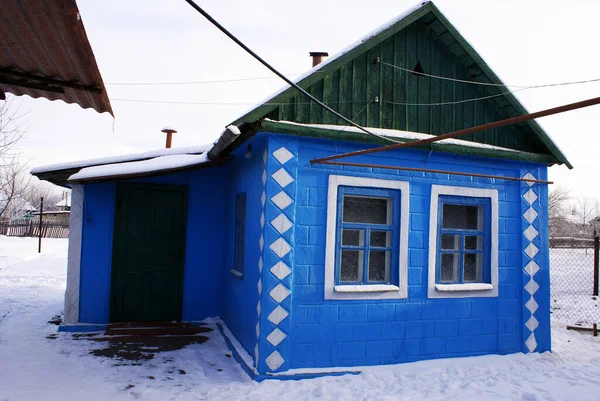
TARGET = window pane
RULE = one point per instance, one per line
(449, 270)
(462, 217)
(472, 268)
(472, 242)
(353, 237)
(379, 266)
(358, 209)
(351, 268)
(381, 238)
(450, 241)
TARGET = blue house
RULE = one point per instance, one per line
(432, 251)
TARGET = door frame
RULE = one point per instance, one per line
(122, 188)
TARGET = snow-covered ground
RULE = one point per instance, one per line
(34, 367)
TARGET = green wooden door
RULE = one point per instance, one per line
(148, 253)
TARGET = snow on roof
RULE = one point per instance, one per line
(161, 163)
(64, 202)
(198, 149)
(339, 54)
(399, 134)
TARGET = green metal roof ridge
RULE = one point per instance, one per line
(309, 130)
(373, 39)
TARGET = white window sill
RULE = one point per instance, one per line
(236, 273)
(366, 288)
(463, 287)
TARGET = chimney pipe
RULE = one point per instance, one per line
(169, 131)
(317, 57)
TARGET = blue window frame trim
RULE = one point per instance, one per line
(239, 234)
(484, 232)
(369, 192)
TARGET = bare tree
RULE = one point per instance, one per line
(557, 199)
(585, 208)
(14, 180)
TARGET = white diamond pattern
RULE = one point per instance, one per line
(274, 361)
(264, 177)
(265, 155)
(532, 268)
(277, 315)
(281, 223)
(530, 233)
(531, 305)
(532, 323)
(279, 293)
(531, 250)
(282, 200)
(530, 215)
(280, 247)
(281, 270)
(263, 198)
(260, 264)
(529, 176)
(257, 329)
(531, 287)
(259, 286)
(531, 343)
(262, 219)
(276, 337)
(258, 308)
(530, 196)
(261, 242)
(282, 155)
(282, 177)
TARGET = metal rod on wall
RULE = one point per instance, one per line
(496, 124)
(425, 170)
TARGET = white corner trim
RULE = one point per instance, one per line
(400, 291)
(74, 256)
(236, 273)
(458, 290)
(464, 287)
(366, 288)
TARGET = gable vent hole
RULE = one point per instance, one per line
(418, 70)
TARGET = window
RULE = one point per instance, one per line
(463, 241)
(240, 231)
(367, 239)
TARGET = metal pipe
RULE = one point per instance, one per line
(280, 75)
(40, 225)
(425, 170)
(596, 263)
(496, 124)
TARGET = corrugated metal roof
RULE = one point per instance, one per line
(45, 52)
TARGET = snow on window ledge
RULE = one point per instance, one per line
(464, 287)
(236, 273)
(366, 288)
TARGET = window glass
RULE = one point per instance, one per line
(239, 232)
(462, 217)
(353, 237)
(351, 268)
(379, 262)
(381, 239)
(472, 268)
(473, 242)
(450, 241)
(449, 267)
(359, 209)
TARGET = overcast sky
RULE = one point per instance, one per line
(526, 42)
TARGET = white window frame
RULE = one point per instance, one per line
(366, 291)
(470, 290)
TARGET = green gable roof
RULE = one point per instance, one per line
(362, 84)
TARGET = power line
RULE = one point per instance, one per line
(280, 75)
(475, 99)
(226, 103)
(216, 81)
(490, 83)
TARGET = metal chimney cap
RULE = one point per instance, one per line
(168, 129)
(318, 54)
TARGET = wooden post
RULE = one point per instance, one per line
(595, 330)
(596, 264)
(40, 233)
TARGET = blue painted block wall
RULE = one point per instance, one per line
(240, 294)
(203, 252)
(325, 333)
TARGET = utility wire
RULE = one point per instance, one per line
(490, 83)
(216, 81)
(225, 103)
(280, 75)
(475, 99)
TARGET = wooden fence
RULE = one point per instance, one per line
(31, 228)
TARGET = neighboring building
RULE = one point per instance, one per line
(317, 265)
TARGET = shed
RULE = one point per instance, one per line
(316, 268)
